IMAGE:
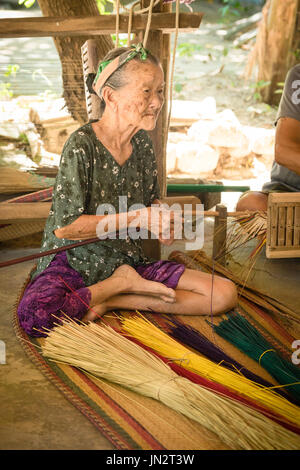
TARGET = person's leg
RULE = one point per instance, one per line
(253, 201)
(60, 290)
(47, 299)
(125, 279)
(197, 293)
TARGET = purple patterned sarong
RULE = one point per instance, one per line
(47, 296)
(166, 272)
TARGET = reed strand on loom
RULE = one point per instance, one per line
(239, 332)
(191, 337)
(103, 352)
(147, 333)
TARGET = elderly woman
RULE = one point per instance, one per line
(101, 161)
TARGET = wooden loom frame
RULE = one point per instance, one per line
(283, 228)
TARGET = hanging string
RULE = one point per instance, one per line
(117, 22)
(148, 24)
(130, 11)
(129, 25)
(143, 10)
(130, 17)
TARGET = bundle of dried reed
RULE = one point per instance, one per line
(103, 352)
(244, 228)
(207, 264)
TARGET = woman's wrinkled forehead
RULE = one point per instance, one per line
(147, 71)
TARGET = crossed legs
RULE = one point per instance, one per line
(197, 293)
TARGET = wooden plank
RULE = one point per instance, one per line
(289, 226)
(287, 203)
(297, 226)
(272, 224)
(284, 252)
(220, 234)
(284, 197)
(18, 212)
(281, 226)
(13, 181)
(95, 25)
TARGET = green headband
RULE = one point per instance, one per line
(108, 67)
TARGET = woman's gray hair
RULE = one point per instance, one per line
(118, 78)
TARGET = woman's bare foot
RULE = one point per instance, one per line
(130, 282)
(138, 285)
(95, 312)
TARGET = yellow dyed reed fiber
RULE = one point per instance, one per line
(144, 331)
(102, 352)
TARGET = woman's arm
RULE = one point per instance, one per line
(157, 220)
(85, 226)
(287, 144)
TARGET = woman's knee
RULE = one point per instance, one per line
(32, 314)
(220, 293)
(39, 309)
(224, 296)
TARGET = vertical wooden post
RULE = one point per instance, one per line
(90, 60)
(220, 234)
(159, 44)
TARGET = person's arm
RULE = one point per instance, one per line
(287, 137)
(157, 220)
(287, 143)
(85, 226)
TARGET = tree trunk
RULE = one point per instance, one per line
(275, 51)
(69, 50)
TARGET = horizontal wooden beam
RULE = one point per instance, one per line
(94, 25)
(14, 212)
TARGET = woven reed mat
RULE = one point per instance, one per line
(131, 421)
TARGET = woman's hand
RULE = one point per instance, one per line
(163, 223)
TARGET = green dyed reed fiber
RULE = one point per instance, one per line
(239, 332)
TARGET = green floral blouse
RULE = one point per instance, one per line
(88, 176)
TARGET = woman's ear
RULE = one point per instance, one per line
(108, 95)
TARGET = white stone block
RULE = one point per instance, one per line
(195, 158)
(200, 130)
(206, 109)
(226, 134)
(265, 144)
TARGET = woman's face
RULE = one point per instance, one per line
(140, 100)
